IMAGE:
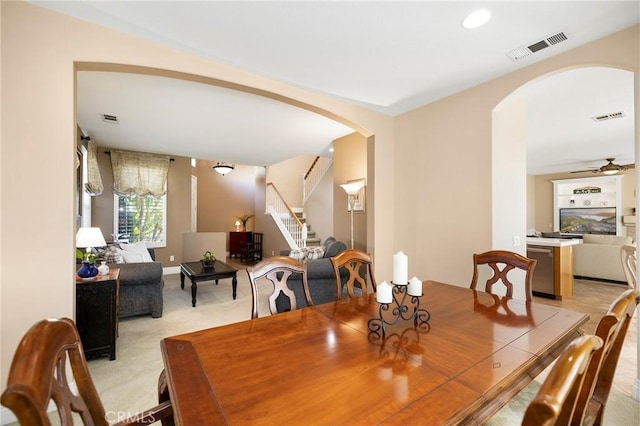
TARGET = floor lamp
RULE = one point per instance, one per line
(352, 189)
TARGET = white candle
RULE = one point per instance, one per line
(400, 268)
(384, 293)
(415, 287)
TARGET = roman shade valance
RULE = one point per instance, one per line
(139, 173)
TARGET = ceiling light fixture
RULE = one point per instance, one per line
(476, 19)
(223, 168)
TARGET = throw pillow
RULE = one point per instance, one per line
(139, 248)
(131, 257)
(298, 254)
(112, 255)
(315, 252)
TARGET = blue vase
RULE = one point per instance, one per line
(87, 270)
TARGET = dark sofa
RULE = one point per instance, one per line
(320, 277)
(141, 287)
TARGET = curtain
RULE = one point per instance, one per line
(139, 173)
(94, 180)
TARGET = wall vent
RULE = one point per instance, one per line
(109, 118)
(611, 116)
(522, 52)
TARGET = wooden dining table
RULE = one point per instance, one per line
(323, 365)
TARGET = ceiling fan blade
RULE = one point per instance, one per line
(629, 166)
(585, 171)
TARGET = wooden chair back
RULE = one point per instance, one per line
(509, 261)
(629, 264)
(38, 375)
(278, 269)
(612, 329)
(556, 400)
(252, 252)
(358, 264)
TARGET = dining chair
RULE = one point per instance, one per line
(39, 375)
(612, 329)
(278, 269)
(358, 264)
(556, 400)
(629, 264)
(252, 251)
(510, 261)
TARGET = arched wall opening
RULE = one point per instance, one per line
(509, 164)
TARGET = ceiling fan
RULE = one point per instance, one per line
(610, 168)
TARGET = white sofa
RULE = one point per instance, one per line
(599, 257)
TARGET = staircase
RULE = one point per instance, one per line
(312, 240)
(291, 221)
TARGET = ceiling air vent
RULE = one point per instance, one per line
(611, 116)
(522, 52)
(109, 118)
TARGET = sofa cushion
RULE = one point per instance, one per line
(137, 248)
(333, 247)
(614, 240)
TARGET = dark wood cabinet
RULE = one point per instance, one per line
(237, 242)
(97, 314)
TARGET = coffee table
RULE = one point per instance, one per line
(196, 273)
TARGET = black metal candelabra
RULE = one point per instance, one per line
(402, 307)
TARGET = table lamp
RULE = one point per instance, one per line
(88, 238)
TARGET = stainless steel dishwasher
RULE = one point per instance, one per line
(543, 274)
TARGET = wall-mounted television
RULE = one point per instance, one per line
(588, 220)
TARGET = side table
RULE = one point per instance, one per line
(97, 314)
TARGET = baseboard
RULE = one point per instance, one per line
(602, 280)
(6, 416)
(171, 270)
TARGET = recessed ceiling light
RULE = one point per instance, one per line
(476, 19)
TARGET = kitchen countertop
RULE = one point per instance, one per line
(552, 242)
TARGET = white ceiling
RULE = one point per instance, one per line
(388, 56)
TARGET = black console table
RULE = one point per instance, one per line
(97, 314)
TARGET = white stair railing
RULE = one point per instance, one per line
(314, 175)
(284, 217)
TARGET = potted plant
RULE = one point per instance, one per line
(244, 219)
(208, 260)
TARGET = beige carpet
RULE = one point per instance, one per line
(127, 385)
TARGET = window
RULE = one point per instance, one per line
(138, 218)
(83, 198)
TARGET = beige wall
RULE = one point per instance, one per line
(320, 206)
(541, 189)
(350, 163)
(287, 176)
(444, 174)
(432, 195)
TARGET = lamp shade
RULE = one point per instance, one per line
(352, 188)
(90, 237)
(223, 168)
